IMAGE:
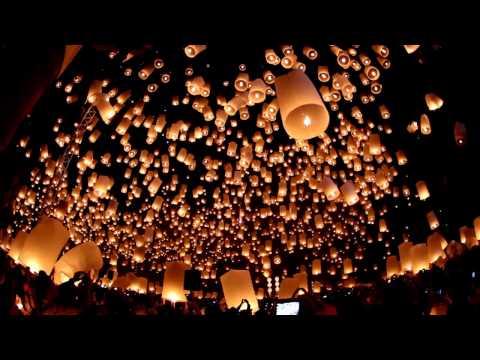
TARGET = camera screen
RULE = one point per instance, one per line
(288, 308)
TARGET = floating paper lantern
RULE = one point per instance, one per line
(43, 245)
(347, 266)
(288, 286)
(401, 158)
(316, 267)
(349, 192)
(104, 108)
(257, 92)
(374, 145)
(289, 61)
(303, 112)
(435, 247)
(193, 50)
(17, 245)
(460, 133)
(173, 282)
(310, 53)
(410, 49)
(102, 185)
(432, 220)
(419, 253)
(425, 127)
(271, 57)
(372, 73)
(422, 190)
(434, 102)
(393, 266)
(323, 74)
(237, 285)
(404, 250)
(85, 257)
(330, 188)
(476, 225)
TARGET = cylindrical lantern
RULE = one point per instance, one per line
(304, 115)
(349, 192)
(425, 127)
(432, 220)
(193, 50)
(393, 266)
(316, 267)
(476, 226)
(404, 250)
(435, 247)
(422, 190)
(237, 285)
(419, 257)
(374, 145)
(330, 188)
(460, 133)
(347, 266)
(173, 282)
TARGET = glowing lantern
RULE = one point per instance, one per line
(401, 158)
(316, 267)
(17, 245)
(288, 286)
(173, 282)
(422, 190)
(425, 127)
(139, 254)
(241, 82)
(433, 101)
(104, 108)
(410, 49)
(85, 257)
(304, 115)
(257, 91)
(435, 245)
(374, 145)
(393, 266)
(43, 245)
(404, 250)
(310, 53)
(330, 188)
(237, 285)
(347, 266)
(102, 185)
(476, 225)
(193, 50)
(323, 74)
(349, 192)
(432, 220)
(460, 133)
(419, 257)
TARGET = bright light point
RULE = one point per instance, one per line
(307, 121)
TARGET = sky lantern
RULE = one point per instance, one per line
(434, 102)
(85, 257)
(173, 282)
(303, 112)
(237, 285)
(43, 245)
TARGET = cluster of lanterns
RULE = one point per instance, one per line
(263, 168)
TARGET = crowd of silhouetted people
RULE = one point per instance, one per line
(451, 289)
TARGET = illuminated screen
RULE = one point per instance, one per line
(288, 308)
